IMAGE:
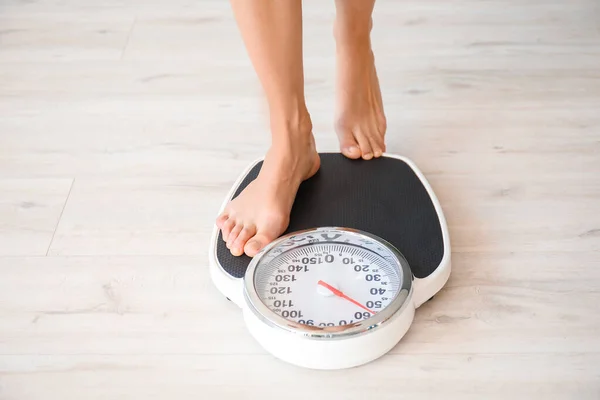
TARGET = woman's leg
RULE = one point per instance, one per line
(360, 121)
(272, 33)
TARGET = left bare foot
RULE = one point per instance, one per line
(262, 211)
(360, 121)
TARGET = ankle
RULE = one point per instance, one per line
(288, 107)
(352, 35)
(295, 125)
(293, 142)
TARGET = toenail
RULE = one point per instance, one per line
(368, 156)
(352, 150)
(253, 246)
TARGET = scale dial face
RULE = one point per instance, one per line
(328, 280)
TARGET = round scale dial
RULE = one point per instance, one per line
(327, 278)
(328, 284)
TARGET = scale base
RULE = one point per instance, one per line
(387, 197)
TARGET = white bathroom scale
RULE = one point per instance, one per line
(367, 245)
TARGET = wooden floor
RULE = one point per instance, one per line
(124, 123)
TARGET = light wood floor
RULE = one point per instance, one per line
(124, 123)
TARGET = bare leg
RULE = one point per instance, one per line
(360, 121)
(272, 32)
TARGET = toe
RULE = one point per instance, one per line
(352, 151)
(256, 244)
(237, 248)
(234, 234)
(348, 144)
(221, 220)
(375, 138)
(365, 145)
(227, 227)
(378, 137)
(378, 147)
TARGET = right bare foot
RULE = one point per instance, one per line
(261, 213)
(361, 122)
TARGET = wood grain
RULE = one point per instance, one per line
(29, 213)
(123, 124)
(556, 376)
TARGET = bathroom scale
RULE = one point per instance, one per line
(366, 246)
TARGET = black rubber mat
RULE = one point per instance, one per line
(381, 196)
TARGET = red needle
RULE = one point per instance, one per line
(343, 296)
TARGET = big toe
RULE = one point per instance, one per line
(257, 243)
(348, 145)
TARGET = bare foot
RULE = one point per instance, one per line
(360, 122)
(261, 213)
